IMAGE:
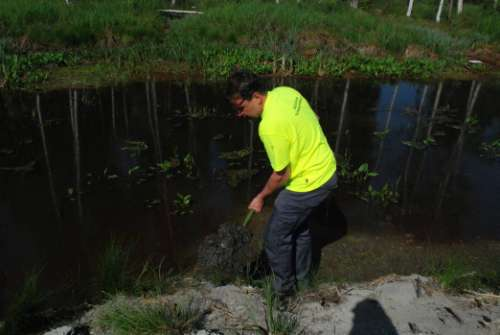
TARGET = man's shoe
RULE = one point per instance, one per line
(284, 301)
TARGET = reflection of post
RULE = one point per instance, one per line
(474, 92)
(410, 153)
(456, 154)
(342, 115)
(435, 108)
(316, 96)
(73, 108)
(113, 111)
(156, 129)
(386, 126)
(152, 111)
(125, 110)
(188, 100)
(429, 132)
(47, 160)
(192, 145)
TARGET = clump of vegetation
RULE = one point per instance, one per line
(153, 280)
(278, 322)
(123, 316)
(459, 276)
(348, 174)
(385, 196)
(491, 149)
(114, 269)
(23, 312)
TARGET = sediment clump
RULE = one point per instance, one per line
(226, 252)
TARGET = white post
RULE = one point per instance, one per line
(440, 9)
(495, 5)
(410, 8)
(354, 3)
(460, 6)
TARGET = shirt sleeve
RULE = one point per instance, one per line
(277, 149)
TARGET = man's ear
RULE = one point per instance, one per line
(259, 96)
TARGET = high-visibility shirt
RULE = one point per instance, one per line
(292, 136)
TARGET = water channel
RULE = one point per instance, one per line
(81, 167)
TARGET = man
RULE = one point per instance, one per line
(302, 162)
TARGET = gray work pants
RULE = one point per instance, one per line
(287, 237)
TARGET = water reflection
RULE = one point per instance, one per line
(53, 195)
(73, 112)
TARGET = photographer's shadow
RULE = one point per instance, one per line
(370, 318)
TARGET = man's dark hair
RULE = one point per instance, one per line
(243, 83)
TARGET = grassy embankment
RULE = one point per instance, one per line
(93, 42)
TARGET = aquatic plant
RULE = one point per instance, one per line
(236, 155)
(183, 204)
(165, 167)
(491, 149)
(385, 196)
(135, 147)
(189, 166)
(235, 176)
(381, 134)
(133, 170)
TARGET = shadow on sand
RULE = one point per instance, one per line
(370, 318)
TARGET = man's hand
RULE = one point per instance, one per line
(275, 181)
(257, 203)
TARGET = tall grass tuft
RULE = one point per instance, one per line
(123, 316)
(278, 322)
(153, 280)
(114, 269)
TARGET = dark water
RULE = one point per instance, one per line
(67, 190)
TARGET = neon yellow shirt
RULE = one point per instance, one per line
(292, 136)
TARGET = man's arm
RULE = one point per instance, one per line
(275, 181)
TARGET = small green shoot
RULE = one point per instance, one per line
(183, 204)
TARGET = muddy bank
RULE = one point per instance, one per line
(101, 75)
(389, 305)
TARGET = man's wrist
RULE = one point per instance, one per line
(261, 195)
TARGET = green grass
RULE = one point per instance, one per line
(459, 275)
(49, 22)
(124, 316)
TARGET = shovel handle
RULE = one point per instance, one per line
(248, 218)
